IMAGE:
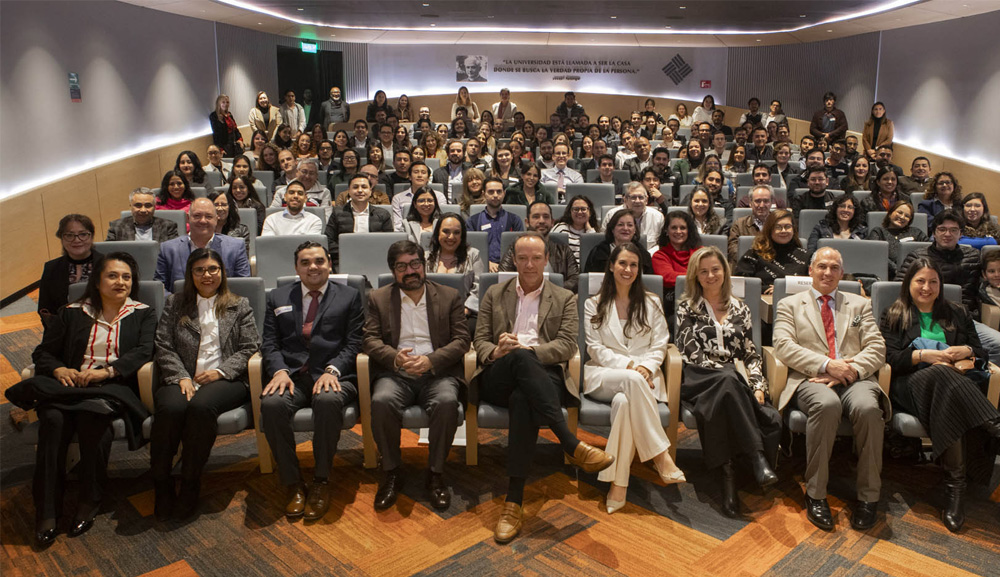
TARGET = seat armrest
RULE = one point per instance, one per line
(365, 401)
(766, 308)
(993, 393)
(575, 368)
(990, 315)
(28, 372)
(674, 365)
(777, 374)
(255, 373)
(885, 378)
(469, 362)
(147, 377)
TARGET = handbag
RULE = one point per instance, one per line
(975, 369)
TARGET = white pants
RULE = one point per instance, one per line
(635, 420)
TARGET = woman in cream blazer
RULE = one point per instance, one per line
(627, 336)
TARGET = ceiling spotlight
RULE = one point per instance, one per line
(425, 4)
(614, 17)
(758, 40)
(829, 29)
(668, 26)
(300, 9)
(802, 15)
(432, 25)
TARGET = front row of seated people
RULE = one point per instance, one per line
(86, 375)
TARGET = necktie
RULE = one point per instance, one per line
(307, 326)
(831, 333)
(561, 183)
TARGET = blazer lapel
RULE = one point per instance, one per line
(226, 325)
(615, 325)
(395, 316)
(544, 308)
(433, 317)
(509, 307)
(815, 316)
(324, 302)
(295, 298)
(842, 320)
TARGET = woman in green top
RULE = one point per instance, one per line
(950, 405)
(528, 190)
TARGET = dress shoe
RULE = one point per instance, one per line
(187, 499)
(864, 515)
(80, 527)
(509, 524)
(164, 499)
(818, 512)
(730, 503)
(762, 472)
(953, 514)
(388, 490)
(590, 459)
(318, 502)
(296, 501)
(440, 495)
(45, 537)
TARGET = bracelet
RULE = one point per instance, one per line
(920, 356)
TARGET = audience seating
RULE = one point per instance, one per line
(916, 198)
(213, 178)
(619, 174)
(475, 238)
(905, 248)
(414, 416)
(507, 239)
(518, 209)
(558, 210)
(861, 256)
(588, 241)
(599, 194)
(598, 414)
(145, 253)
(876, 217)
(364, 253)
(266, 177)
(399, 187)
(276, 256)
(302, 420)
(779, 193)
(746, 179)
(248, 216)
(488, 416)
(809, 218)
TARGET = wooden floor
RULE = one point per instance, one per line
(675, 530)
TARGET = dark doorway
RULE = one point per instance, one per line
(298, 71)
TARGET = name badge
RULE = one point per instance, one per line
(486, 226)
(282, 310)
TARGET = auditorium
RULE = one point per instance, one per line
(424, 287)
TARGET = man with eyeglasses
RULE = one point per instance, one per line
(560, 175)
(561, 258)
(416, 336)
(312, 337)
(215, 163)
(960, 265)
(761, 201)
(648, 220)
(143, 224)
(174, 253)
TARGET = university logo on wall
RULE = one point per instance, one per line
(677, 69)
(471, 68)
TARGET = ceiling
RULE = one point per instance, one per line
(703, 23)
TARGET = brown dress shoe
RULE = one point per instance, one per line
(319, 500)
(590, 459)
(296, 501)
(509, 524)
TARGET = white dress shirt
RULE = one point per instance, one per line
(360, 218)
(285, 223)
(210, 348)
(414, 328)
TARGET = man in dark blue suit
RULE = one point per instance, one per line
(174, 253)
(312, 337)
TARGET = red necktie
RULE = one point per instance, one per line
(307, 326)
(831, 333)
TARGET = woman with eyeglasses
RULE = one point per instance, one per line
(206, 337)
(579, 218)
(76, 232)
(776, 252)
(85, 379)
(943, 192)
(423, 214)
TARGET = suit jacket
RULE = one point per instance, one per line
(171, 262)
(561, 261)
(443, 177)
(273, 120)
(608, 348)
(336, 333)
(124, 229)
(53, 290)
(449, 331)
(800, 339)
(178, 341)
(743, 226)
(558, 325)
(898, 342)
(342, 221)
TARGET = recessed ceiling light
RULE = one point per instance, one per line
(491, 16)
(260, 23)
(300, 9)
(802, 15)
(683, 7)
(668, 26)
(432, 25)
(425, 4)
(758, 40)
(614, 17)
(829, 29)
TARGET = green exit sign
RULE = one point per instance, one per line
(309, 47)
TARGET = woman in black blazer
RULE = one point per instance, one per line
(76, 231)
(202, 347)
(950, 405)
(85, 378)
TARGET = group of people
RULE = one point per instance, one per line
(524, 331)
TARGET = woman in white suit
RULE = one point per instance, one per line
(627, 342)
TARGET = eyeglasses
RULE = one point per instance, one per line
(203, 270)
(636, 197)
(70, 237)
(580, 209)
(784, 227)
(414, 264)
(947, 230)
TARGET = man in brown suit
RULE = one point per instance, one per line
(761, 202)
(525, 335)
(416, 335)
(832, 346)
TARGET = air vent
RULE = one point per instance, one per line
(429, 16)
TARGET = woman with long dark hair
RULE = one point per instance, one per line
(776, 252)
(85, 378)
(189, 164)
(423, 214)
(579, 218)
(242, 195)
(621, 229)
(938, 369)
(451, 253)
(979, 229)
(626, 332)
(878, 130)
(229, 217)
(897, 227)
(714, 330)
(380, 102)
(843, 220)
(859, 176)
(175, 192)
(678, 240)
(207, 336)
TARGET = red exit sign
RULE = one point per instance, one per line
(706, 83)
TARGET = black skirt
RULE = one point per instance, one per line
(730, 420)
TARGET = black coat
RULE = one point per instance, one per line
(898, 349)
(53, 291)
(958, 266)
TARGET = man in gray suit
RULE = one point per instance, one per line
(832, 346)
(143, 224)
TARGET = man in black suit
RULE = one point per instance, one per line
(312, 336)
(452, 173)
(417, 337)
(143, 224)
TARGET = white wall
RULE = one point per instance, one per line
(147, 78)
(940, 84)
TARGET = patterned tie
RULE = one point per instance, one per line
(307, 326)
(831, 333)
(561, 183)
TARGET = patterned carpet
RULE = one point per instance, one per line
(675, 530)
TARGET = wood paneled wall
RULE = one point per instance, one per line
(29, 220)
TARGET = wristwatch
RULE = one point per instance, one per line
(332, 370)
